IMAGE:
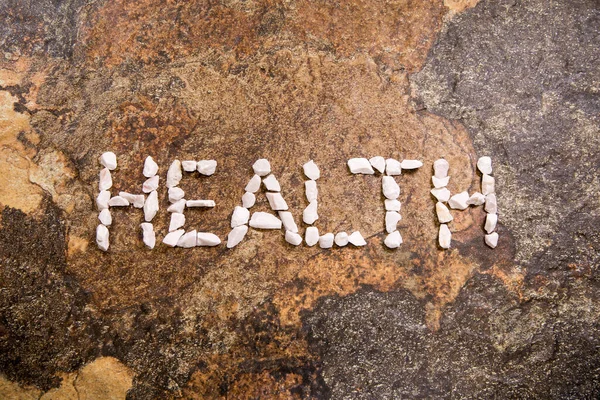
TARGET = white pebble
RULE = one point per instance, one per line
(311, 236)
(200, 203)
(490, 222)
(173, 237)
(240, 216)
(254, 184)
(392, 205)
(188, 240)
(391, 221)
(484, 164)
(102, 200)
(293, 238)
(248, 200)
(102, 237)
(150, 184)
(150, 167)
(263, 220)
(311, 170)
(444, 237)
(360, 166)
(148, 235)
(411, 164)
(310, 188)
(443, 213)
(262, 167)
(118, 201)
(207, 239)
(390, 188)
(105, 217)
(442, 194)
(236, 235)
(189, 166)
(276, 201)
(174, 174)
(440, 168)
(341, 239)
(175, 194)
(207, 167)
(476, 199)
(459, 201)
(177, 207)
(109, 160)
(177, 221)
(357, 239)
(440, 182)
(378, 163)
(105, 180)
(393, 240)
(492, 240)
(151, 206)
(136, 199)
(393, 167)
(488, 184)
(309, 215)
(271, 183)
(491, 206)
(288, 221)
(326, 241)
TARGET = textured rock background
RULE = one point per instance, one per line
(291, 81)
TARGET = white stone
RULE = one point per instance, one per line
(393, 240)
(236, 235)
(491, 206)
(293, 238)
(444, 236)
(102, 200)
(288, 221)
(393, 167)
(357, 239)
(484, 164)
(248, 200)
(189, 165)
(311, 170)
(105, 180)
(341, 239)
(311, 236)
(443, 213)
(136, 199)
(271, 183)
(440, 168)
(176, 194)
(173, 237)
(207, 239)
(378, 163)
(151, 206)
(392, 205)
(118, 201)
(490, 222)
(360, 166)
(207, 167)
(442, 194)
(411, 164)
(177, 221)
(109, 160)
(104, 217)
(311, 190)
(440, 182)
(262, 167)
(391, 221)
(150, 184)
(200, 203)
(254, 184)
(276, 201)
(177, 207)
(102, 237)
(240, 216)
(150, 167)
(309, 215)
(488, 184)
(492, 240)
(188, 240)
(390, 188)
(326, 241)
(148, 235)
(476, 199)
(174, 174)
(263, 220)
(459, 201)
